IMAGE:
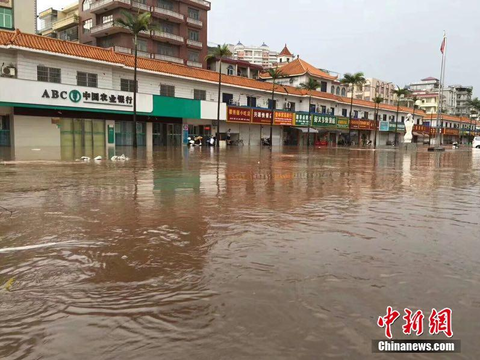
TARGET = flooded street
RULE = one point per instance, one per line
(193, 254)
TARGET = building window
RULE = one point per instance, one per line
(365, 115)
(344, 112)
(167, 28)
(230, 70)
(344, 92)
(333, 90)
(193, 14)
(87, 26)
(324, 109)
(338, 90)
(6, 19)
(227, 98)
(193, 56)
(251, 101)
(165, 4)
(323, 86)
(193, 35)
(86, 5)
(167, 90)
(127, 85)
(87, 79)
(168, 50)
(199, 94)
(355, 114)
(48, 74)
(107, 19)
(142, 45)
(106, 42)
(270, 104)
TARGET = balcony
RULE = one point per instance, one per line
(125, 50)
(108, 28)
(165, 36)
(101, 6)
(194, 43)
(194, 22)
(168, 58)
(202, 3)
(139, 6)
(65, 23)
(194, 64)
(168, 15)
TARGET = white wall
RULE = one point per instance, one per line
(35, 132)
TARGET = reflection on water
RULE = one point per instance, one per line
(187, 253)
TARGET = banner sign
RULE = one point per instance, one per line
(400, 127)
(301, 119)
(263, 117)
(450, 132)
(422, 129)
(323, 120)
(239, 114)
(384, 126)
(362, 124)
(343, 123)
(284, 118)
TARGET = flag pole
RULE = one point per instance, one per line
(443, 49)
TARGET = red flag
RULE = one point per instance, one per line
(444, 44)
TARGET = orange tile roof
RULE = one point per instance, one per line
(285, 52)
(301, 67)
(42, 43)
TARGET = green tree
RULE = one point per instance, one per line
(353, 80)
(275, 74)
(219, 53)
(377, 101)
(310, 86)
(135, 24)
(400, 94)
(474, 105)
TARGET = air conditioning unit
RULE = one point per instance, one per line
(9, 71)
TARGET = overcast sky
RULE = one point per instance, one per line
(393, 40)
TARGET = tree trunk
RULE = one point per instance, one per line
(273, 114)
(135, 143)
(396, 122)
(219, 103)
(309, 119)
(377, 107)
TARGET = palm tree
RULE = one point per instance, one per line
(474, 104)
(377, 100)
(357, 79)
(135, 24)
(400, 93)
(275, 74)
(311, 85)
(220, 52)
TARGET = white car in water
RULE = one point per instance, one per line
(476, 142)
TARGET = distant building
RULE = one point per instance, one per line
(259, 55)
(18, 14)
(373, 88)
(454, 100)
(285, 56)
(60, 24)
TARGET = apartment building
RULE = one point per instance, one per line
(18, 14)
(60, 24)
(258, 55)
(373, 88)
(180, 37)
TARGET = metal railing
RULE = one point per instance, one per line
(168, 58)
(100, 3)
(168, 12)
(167, 35)
(140, 6)
(194, 64)
(123, 50)
(102, 27)
(202, 2)
(194, 21)
(194, 43)
(69, 20)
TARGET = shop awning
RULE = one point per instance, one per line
(305, 130)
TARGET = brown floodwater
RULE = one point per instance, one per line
(242, 254)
